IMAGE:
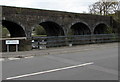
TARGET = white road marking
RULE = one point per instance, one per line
(89, 49)
(1, 59)
(29, 57)
(54, 70)
(13, 58)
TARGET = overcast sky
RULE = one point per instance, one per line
(78, 6)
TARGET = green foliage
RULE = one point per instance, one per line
(5, 32)
(117, 16)
(71, 32)
(39, 31)
(109, 30)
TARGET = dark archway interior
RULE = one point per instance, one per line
(14, 29)
(80, 29)
(52, 29)
(101, 29)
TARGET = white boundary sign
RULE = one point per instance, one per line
(12, 41)
(9, 42)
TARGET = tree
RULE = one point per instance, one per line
(118, 16)
(104, 7)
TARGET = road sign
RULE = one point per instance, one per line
(12, 41)
(9, 42)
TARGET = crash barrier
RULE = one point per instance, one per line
(57, 41)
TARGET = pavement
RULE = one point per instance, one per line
(56, 50)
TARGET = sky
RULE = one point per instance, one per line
(77, 6)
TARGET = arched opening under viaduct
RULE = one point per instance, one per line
(16, 33)
(49, 29)
(52, 28)
(102, 29)
(14, 29)
(80, 29)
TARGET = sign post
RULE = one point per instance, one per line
(9, 42)
(7, 48)
(16, 48)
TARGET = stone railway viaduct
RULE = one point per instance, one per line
(21, 21)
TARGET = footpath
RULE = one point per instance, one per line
(56, 50)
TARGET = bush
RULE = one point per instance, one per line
(39, 31)
(5, 32)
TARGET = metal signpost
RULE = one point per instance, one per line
(9, 42)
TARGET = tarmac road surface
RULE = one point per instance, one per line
(90, 64)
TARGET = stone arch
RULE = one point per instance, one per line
(51, 28)
(101, 28)
(15, 29)
(80, 28)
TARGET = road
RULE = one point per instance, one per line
(89, 64)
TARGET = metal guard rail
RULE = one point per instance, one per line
(57, 41)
